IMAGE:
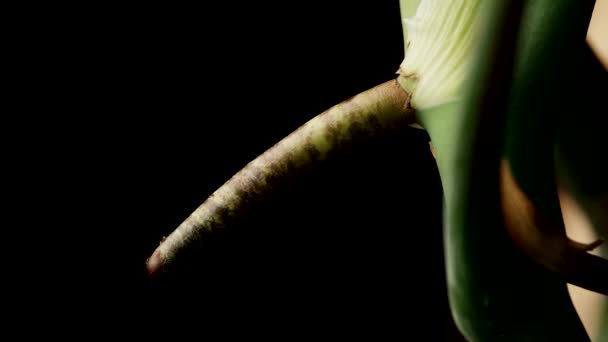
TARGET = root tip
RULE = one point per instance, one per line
(154, 264)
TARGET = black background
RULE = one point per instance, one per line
(157, 104)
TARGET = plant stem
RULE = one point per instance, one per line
(371, 113)
(538, 237)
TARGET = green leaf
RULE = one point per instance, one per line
(496, 292)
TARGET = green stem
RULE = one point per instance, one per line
(368, 114)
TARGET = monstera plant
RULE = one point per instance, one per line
(507, 91)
